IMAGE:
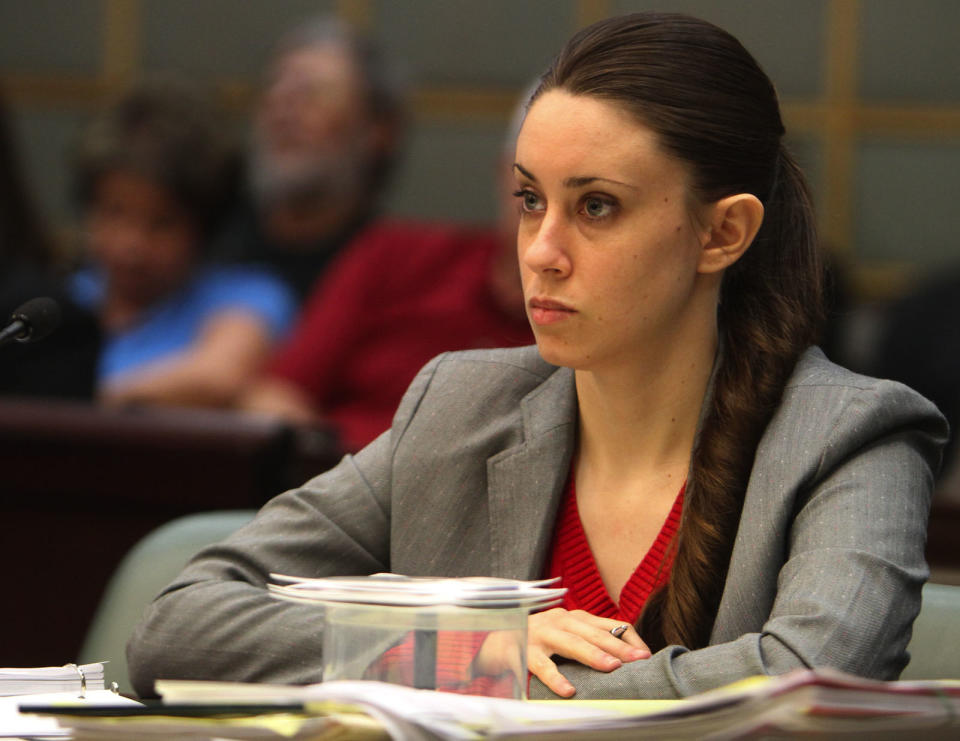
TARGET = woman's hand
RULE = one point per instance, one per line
(580, 636)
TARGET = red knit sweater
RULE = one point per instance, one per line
(572, 560)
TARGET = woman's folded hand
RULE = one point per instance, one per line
(582, 637)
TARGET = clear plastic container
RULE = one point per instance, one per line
(467, 650)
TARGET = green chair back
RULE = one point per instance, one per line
(935, 645)
(142, 574)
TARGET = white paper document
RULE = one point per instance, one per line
(67, 678)
(17, 723)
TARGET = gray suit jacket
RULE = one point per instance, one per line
(826, 569)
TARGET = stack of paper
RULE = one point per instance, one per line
(17, 719)
(34, 680)
(824, 703)
(398, 590)
(62, 686)
(148, 724)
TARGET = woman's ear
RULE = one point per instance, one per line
(733, 223)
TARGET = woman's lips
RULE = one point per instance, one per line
(545, 311)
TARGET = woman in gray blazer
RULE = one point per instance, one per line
(720, 499)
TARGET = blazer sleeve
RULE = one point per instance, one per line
(851, 563)
(217, 621)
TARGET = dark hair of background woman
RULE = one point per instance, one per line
(712, 107)
(169, 134)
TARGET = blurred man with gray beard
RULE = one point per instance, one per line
(325, 135)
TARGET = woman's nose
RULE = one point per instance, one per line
(545, 249)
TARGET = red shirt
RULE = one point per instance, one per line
(572, 560)
(397, 296)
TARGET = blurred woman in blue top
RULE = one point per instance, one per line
(153, 176)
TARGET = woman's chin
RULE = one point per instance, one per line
(557, 353)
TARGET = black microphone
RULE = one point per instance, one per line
(32, 321)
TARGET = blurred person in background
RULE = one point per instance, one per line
(402, 293)
(325, 136)
(152, 178)
(63, 364)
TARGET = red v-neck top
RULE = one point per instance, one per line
(572, 560)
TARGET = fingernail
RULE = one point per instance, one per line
(638, 653)
(567, 689)
(613, 662)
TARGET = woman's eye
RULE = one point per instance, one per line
(529, 201)
(597, 208)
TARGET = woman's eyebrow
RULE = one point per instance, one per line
(579, 182)
(576, 181)
(523, 171)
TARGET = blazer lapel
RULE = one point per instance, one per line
(525, 483)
